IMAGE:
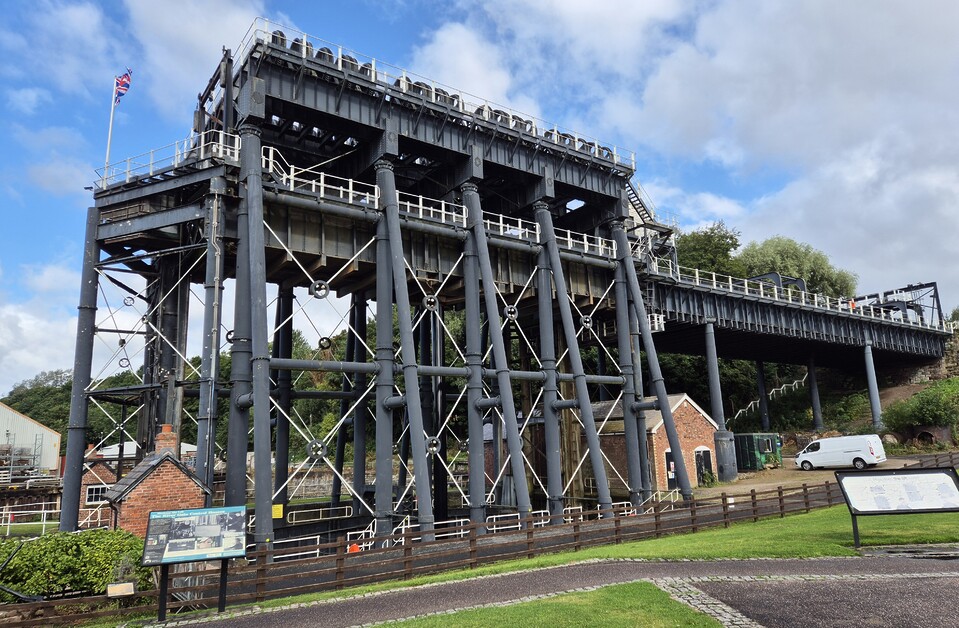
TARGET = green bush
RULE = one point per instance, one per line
(937, 405)
(65, 562)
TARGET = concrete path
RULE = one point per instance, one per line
(891, 589)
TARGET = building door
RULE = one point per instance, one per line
(670, 472)
(704, 464)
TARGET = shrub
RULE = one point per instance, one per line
(66, 562)
(937, 405)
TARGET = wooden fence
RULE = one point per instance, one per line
(327, 566)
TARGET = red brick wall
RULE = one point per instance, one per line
(166, 488)
(694, 431)
(98, 474)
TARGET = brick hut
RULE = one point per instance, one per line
(98, 478)
(694, 427)
(159, 482)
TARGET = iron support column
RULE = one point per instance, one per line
(284, 389)
(873, 385)
(383, 495)
(763, 398)
(652, 359)
(814, 395)
(210, 357)
(346, 387)
(722, 438)
(414, 406)
(548, 234)
(251, 174)
(474, 210)
(547, 357)
(641, 414)
(474, 383)
(360, 407)
(630, 426)
(82, 365)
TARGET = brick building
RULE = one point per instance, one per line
(159, 482)
(98, 477)
(693, 425)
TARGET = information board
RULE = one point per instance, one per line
(181, 536)
(900, 491)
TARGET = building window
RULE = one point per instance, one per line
(96, 492)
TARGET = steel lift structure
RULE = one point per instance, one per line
(455, 259)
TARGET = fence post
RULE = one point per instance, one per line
(340, 561)
(828, 493)
(261, 576)
(725, 510)
(782, 502)
(656, 521)
(576, 536)
(472, 537)
(752, 499)
(692, 515)
(530, 543)
(407, 558)
(616, 530)
(805, 496)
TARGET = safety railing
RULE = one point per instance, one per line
(309, 515)
(769, 291)
(586, 243)
(295, 178)
(196, 148)
(498, 224)
(432, 209)
(36, 517)
(383, 76)
(775, 392)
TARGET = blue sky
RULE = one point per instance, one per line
(832, 123)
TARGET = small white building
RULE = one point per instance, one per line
(26, 444)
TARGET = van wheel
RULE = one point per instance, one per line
(806, 465)
(859, 463)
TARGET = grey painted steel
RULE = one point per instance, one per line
(347, 388)
(475, 221)
(652, 360)
(548, 235)
(630, 428)
(474, 383)
(547, 357)
(241, 376)
(284, 401)
(251, 174)
(82, 366)
(360, 411)
(414, 408)
(640, 412)
(763, 398)
(814, 395)
(210, 356)
(873, 386)
(383, 491)
(723, 439)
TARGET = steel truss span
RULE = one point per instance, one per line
(396, 268)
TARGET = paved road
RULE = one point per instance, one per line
(915, 590)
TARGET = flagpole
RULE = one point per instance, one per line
(106, 161)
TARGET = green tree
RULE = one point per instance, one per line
(794, 259)
(711, 248)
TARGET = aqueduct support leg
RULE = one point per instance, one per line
(284, 386)
(251, 174)
(210, 356)
(630, 431)
(871, 382)
(656, 374)
(474, 383)
(472, 201)
(440, 475)
(814, 395)
(414, 406)
(763, 395)
(545, 220)
(723, 438)
(359, 411)
(641, 415)
(547, 356)
(241, 377)
(346, 387)
(82, 365)
(383, 497)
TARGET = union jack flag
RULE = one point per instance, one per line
(122, 85)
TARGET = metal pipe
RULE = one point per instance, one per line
(82, 366)
(325, 365)
(640, 413)
(722, 438)
(652, 360)
(474, 385)
(346, 387)
(624, 347)
(475, 211)
(545, 220)
(360, 409)
(414, 409)
(283, 347)
(383, 491)
(547, 357)
(814, 395)
(872, 384)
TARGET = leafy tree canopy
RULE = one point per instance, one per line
(711, 248)
(794, 259)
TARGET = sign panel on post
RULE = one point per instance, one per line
(181, 536)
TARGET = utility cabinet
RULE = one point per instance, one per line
(758, 451)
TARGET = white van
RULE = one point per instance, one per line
(842, 451)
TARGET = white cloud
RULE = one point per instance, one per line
(49, 139)
(62, 176)
(27, 100)
(692, 210)
(182, 43)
